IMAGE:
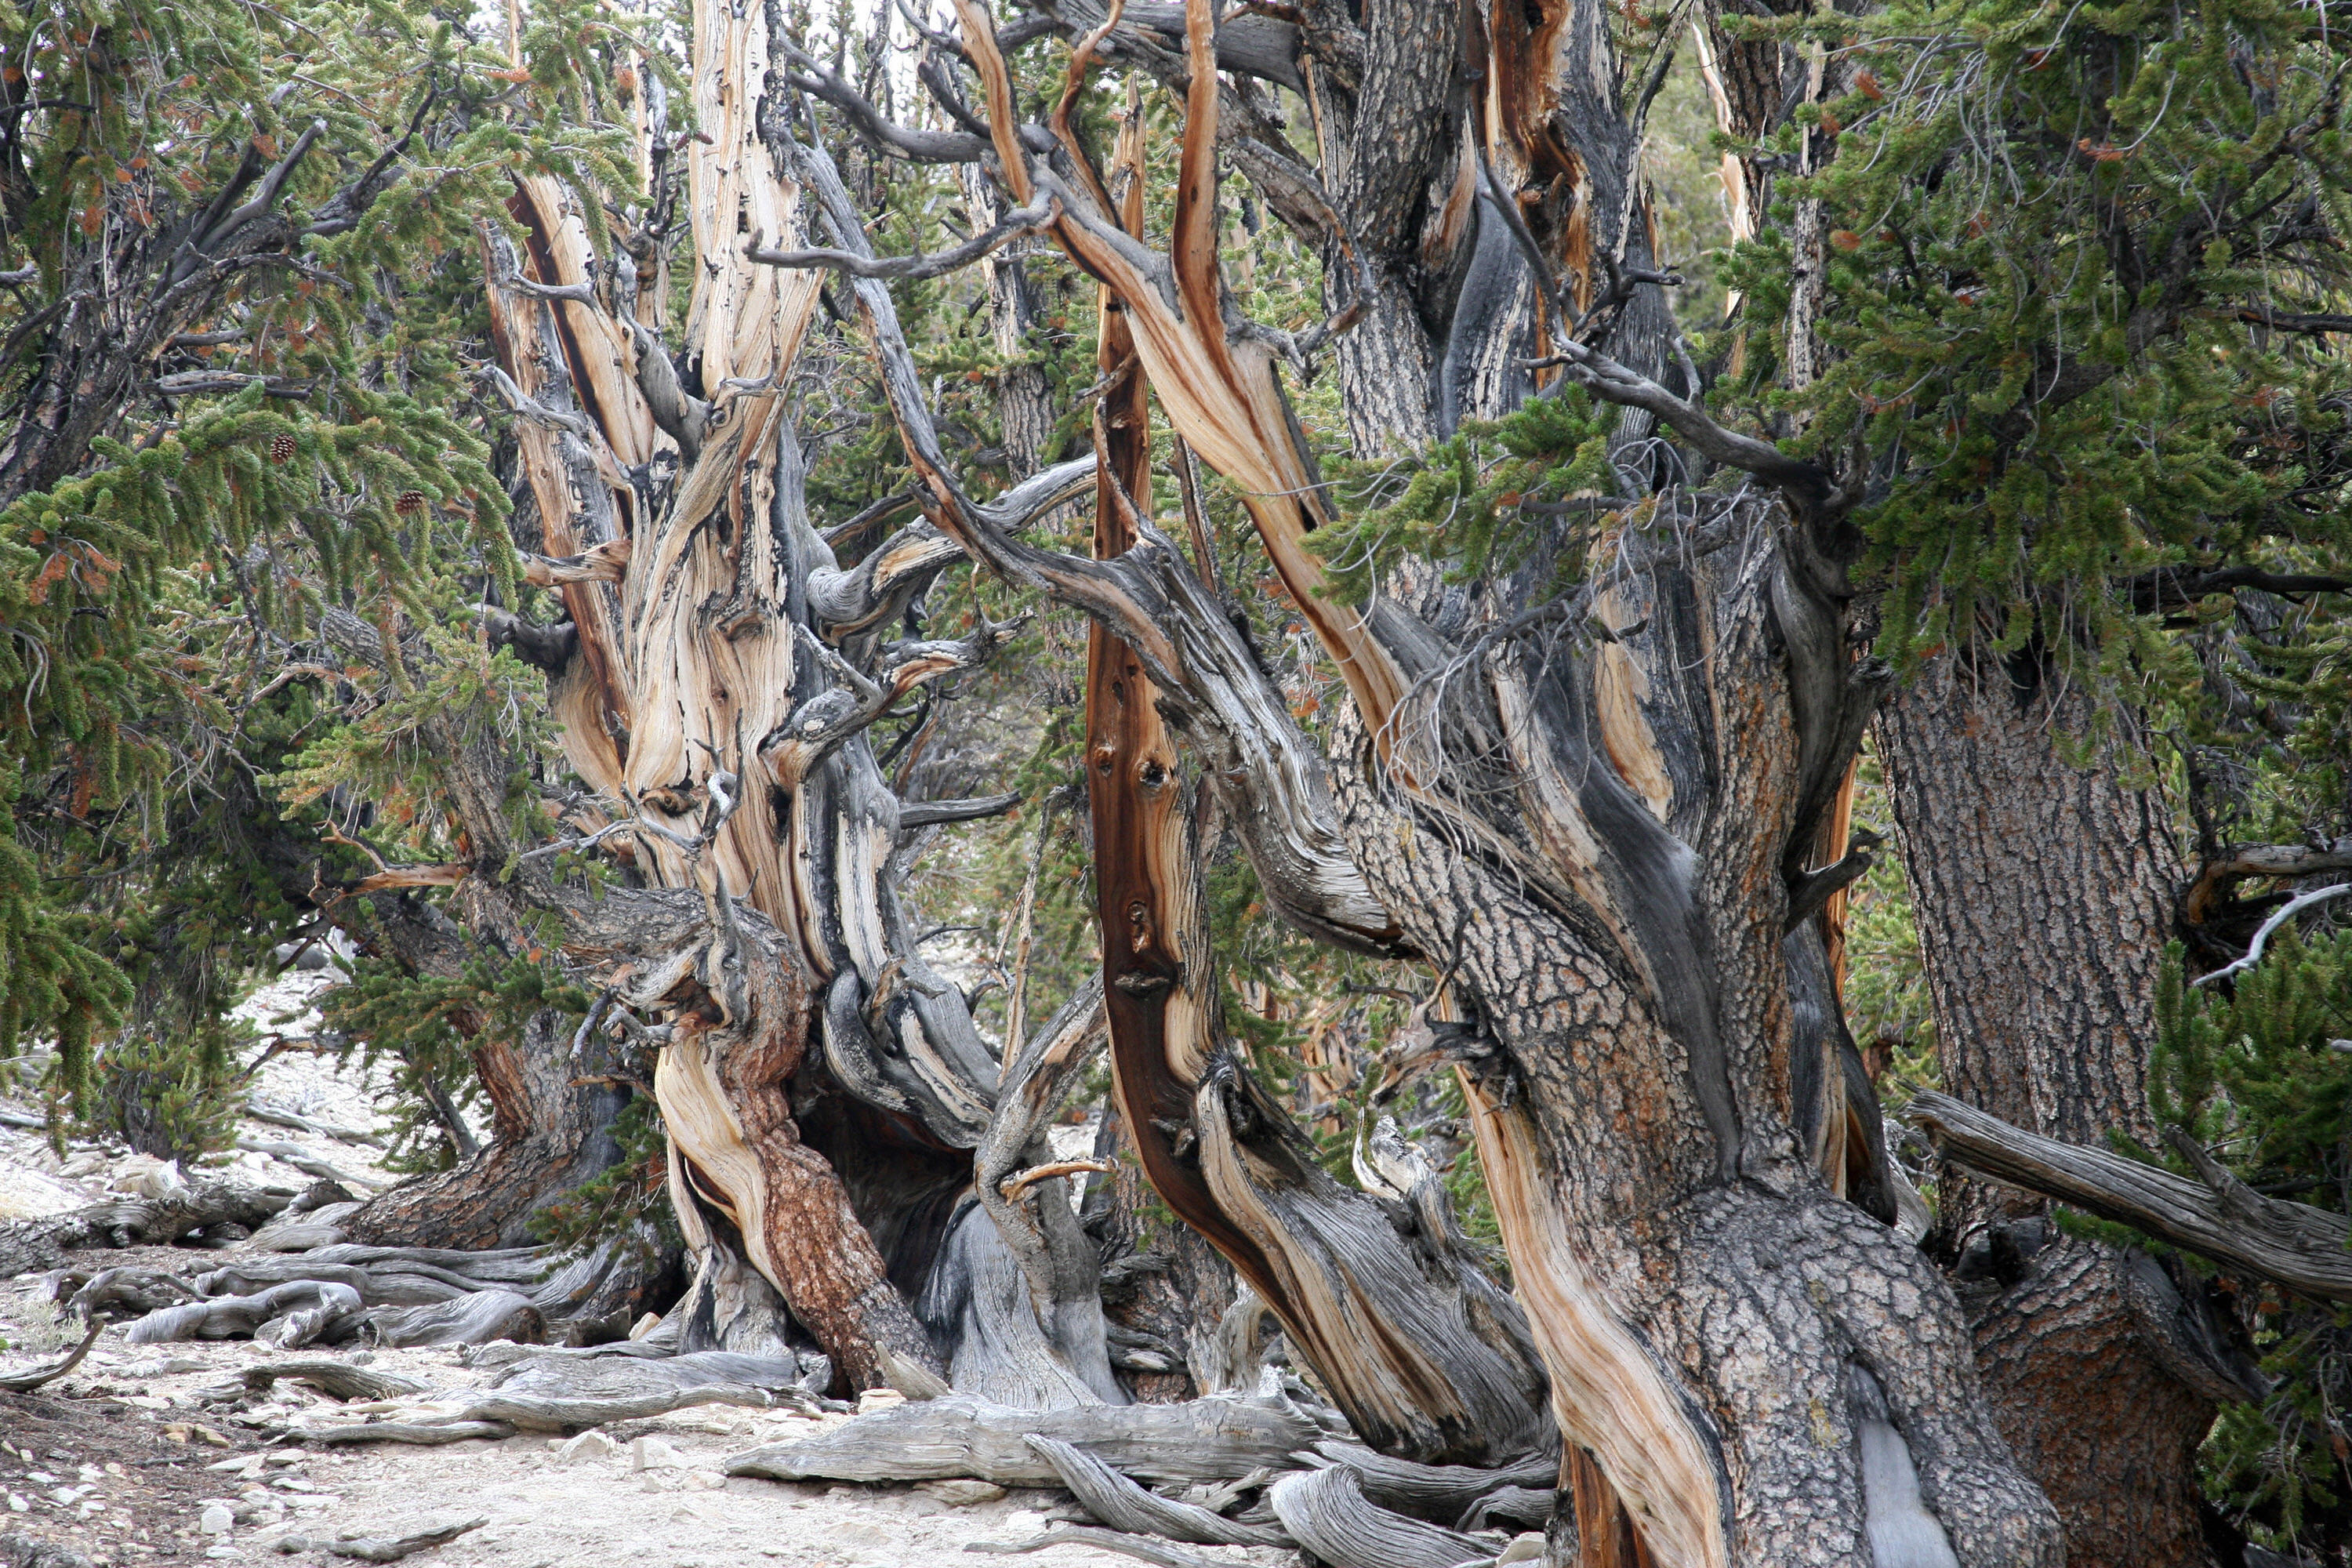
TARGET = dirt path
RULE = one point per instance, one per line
(120, 1460)
(156, 1453)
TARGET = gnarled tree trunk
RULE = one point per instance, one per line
(1612, 841)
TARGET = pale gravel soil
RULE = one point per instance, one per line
(109, 1461)
(543, 1512)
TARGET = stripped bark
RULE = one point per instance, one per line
(1614, 833)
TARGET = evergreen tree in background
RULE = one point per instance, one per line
(1326, 557)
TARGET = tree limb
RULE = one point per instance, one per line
(1027, 220)
(2292, 1244)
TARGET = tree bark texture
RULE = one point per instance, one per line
(1609, 839)
(2042, 886)
(823, 1089)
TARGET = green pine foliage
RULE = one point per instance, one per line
(627, 1204)
(2262, 1076)
(2047, 228)
(158, 573)
(425, 1029)
(1461, 504)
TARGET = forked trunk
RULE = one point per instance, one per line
(1604, 829)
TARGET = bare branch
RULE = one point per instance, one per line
(605, 563)
(202, 383)
(1027, 220)
(925, 812)
(2171, 587)
(2290, 321)
(2284, 914)
(2294, 1245)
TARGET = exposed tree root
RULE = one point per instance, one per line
(1123, 1505)
(1327, 1512)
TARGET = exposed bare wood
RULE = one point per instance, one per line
(1326, 1512)
(1123, 1505)
(955, 1435)
(41, 1377)
(2302, 1247)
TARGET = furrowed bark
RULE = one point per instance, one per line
(1614, 852)
(1620, 981)
(821, 1088)
(2010, 848)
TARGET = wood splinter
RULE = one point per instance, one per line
(1013, 1185)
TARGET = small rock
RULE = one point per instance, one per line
(653, 1454)
(586, 1448)
(961, 1492)
(1527, 1548)
(645, 1325)
(176, 1365)
(216, 1519)
(705, 1481)
(875, 1399)
(17, 1504)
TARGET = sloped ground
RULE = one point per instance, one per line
(154, 1454)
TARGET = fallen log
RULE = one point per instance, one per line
(1327, 1512)
(26, 1382)
(554, 1377)
(500, 1413)
(29, 1245)
(1213, 1439)
(424, 1432)
(535, 1414)
(378, 1547)
(335, 1379)
(1121, 1504)
(1137, 1546)
(136, 1290)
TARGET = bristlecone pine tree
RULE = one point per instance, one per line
(1610, 613)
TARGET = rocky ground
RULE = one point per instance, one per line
(157, 1454)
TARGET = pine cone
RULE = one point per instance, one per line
(282, 448)
(409, 503)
